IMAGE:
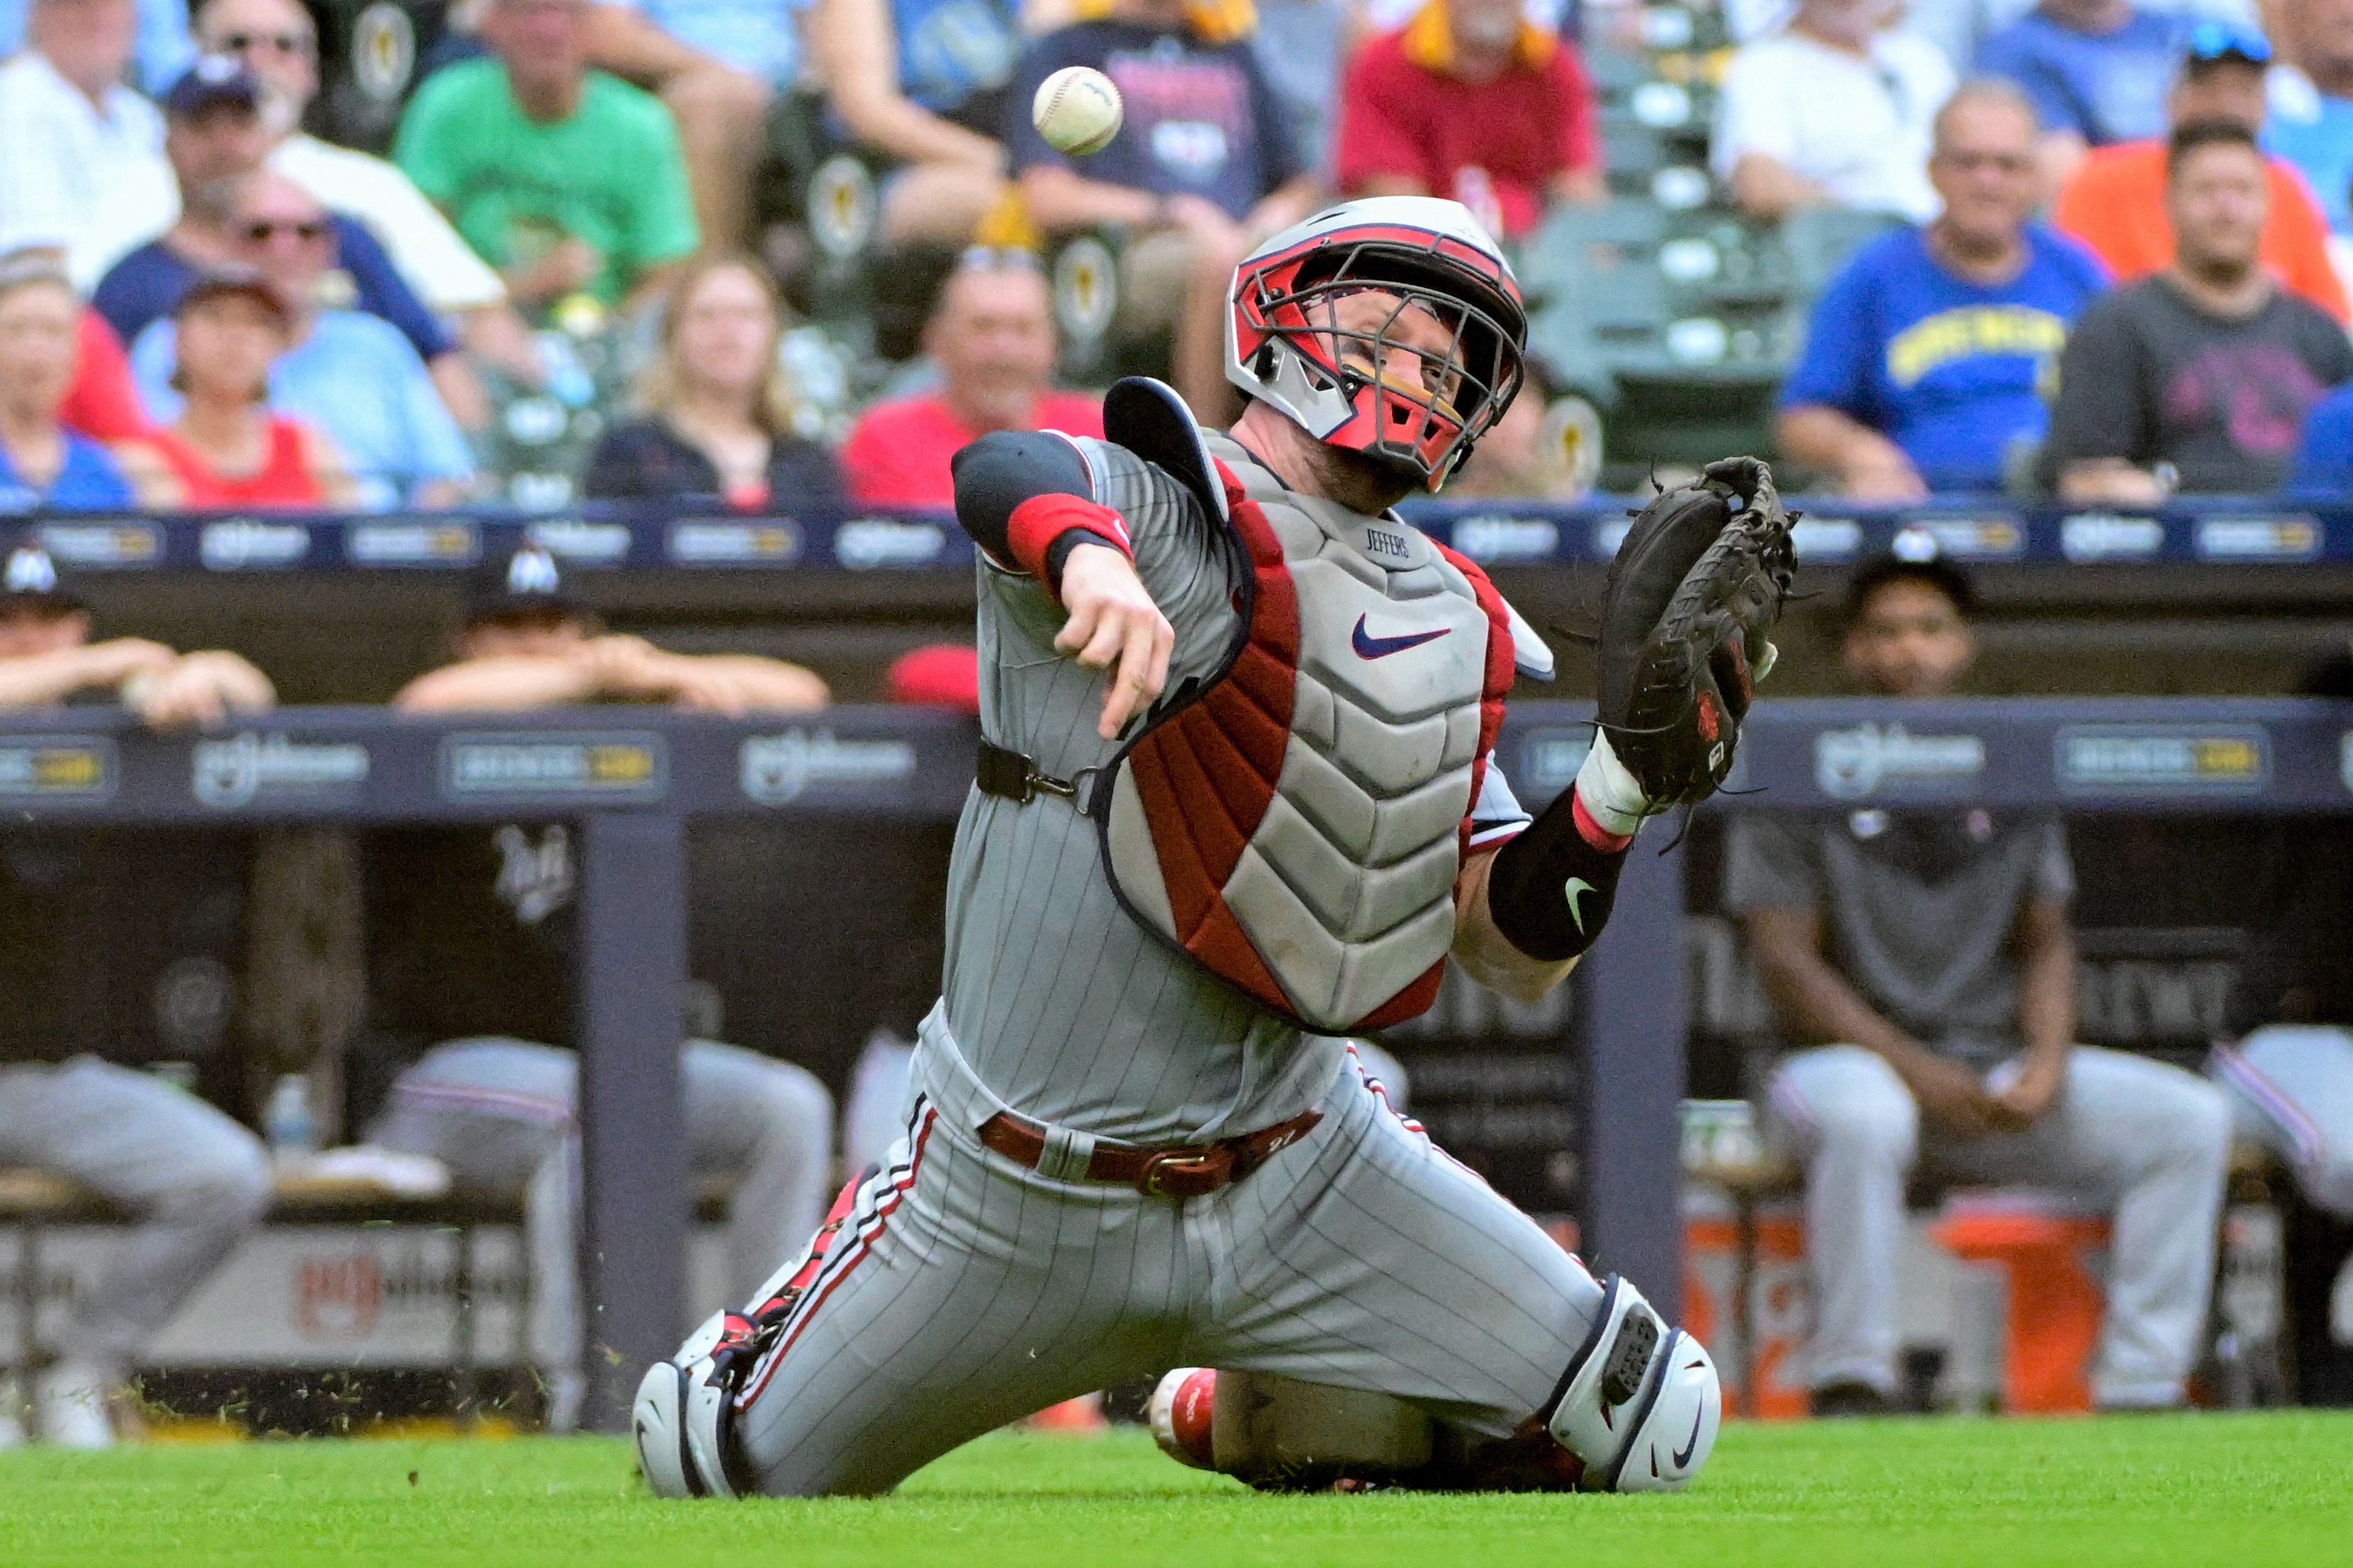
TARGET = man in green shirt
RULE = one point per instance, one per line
(563, 178)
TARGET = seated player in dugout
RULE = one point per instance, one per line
(193, 1181)
(1238, 800)
(489, 1097)
(1921, 962)
(527, 642)
(48, 659)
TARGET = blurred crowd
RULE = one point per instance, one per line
(616, 251)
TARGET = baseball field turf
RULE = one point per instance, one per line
(2235, 1490)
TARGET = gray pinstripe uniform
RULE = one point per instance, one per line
(968, 1291)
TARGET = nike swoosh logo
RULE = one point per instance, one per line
(1577, 886)
(1690, 1447)
(1370, 647)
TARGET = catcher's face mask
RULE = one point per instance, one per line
(1399, 339)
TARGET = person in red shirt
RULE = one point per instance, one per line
(992, 335)
(1472, 101)
(103, 402)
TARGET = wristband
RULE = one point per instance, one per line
(1037, 531)
(1610, 795)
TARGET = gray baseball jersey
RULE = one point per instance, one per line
(967, 1290)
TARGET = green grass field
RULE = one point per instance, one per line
(2274, 1488)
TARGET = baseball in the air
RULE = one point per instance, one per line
(1077, 111)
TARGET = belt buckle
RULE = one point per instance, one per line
(1153, 1180)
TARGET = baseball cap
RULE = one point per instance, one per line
(521, 581)
(944, 675)
(2210, 43)
(213, 79)
(30, 577)
(221, 281)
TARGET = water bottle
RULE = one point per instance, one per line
(292, 1131)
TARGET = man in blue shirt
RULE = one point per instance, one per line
(2095, 71)
(215, 141)
(1922, 364)
(349, 374)
(2311, 120)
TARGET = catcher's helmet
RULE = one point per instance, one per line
(1284, 346)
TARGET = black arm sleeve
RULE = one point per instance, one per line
(1549, 891)
(999, 471)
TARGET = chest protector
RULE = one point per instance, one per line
(1296, 823)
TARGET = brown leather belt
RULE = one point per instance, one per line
(1185, 1171)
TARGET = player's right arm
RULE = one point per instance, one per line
(36, 680)
(506, 684)
(1028, 500)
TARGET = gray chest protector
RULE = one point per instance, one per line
(1296, 824)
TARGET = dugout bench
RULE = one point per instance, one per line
(632, 780)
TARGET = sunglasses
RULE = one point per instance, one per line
(309, 231)
(284, 43)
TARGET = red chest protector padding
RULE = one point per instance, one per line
(1207, 773)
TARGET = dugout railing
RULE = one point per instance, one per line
(633, 780)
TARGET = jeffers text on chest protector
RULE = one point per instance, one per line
(1297, 824)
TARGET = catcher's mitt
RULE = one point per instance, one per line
(1692, 595)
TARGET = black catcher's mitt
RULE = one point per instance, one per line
(1691, 597)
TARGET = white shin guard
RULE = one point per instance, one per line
(678, 1416)
(1641, 1404)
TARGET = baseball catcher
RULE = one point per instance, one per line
(1237, 801)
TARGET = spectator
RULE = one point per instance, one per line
(348, 375)
(215, 141)
(44, 463)
(278, 44)
(927, 82)
(1934, 946)
(2095, 71)
(716, 65)
(1304, 47)
(2311, 122)
(2202, 374)
(193, 1181)
(162, 51)
(102, 403)
(491, 1104)
(718, 415)
(2115, 203)
(565, 179)
(222, 446)
(992, 336)
(86, 170)
(1472, 101)
(1925, 357)
(1203, 167)
(1834, 110)
(2324, 460)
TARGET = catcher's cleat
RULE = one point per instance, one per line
(1180, 1414)
(683, 1418)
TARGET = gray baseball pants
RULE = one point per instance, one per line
(499, 1113)
(2147, 1141)
(193, 1181)
(968, 1291)
(2291, 1090)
